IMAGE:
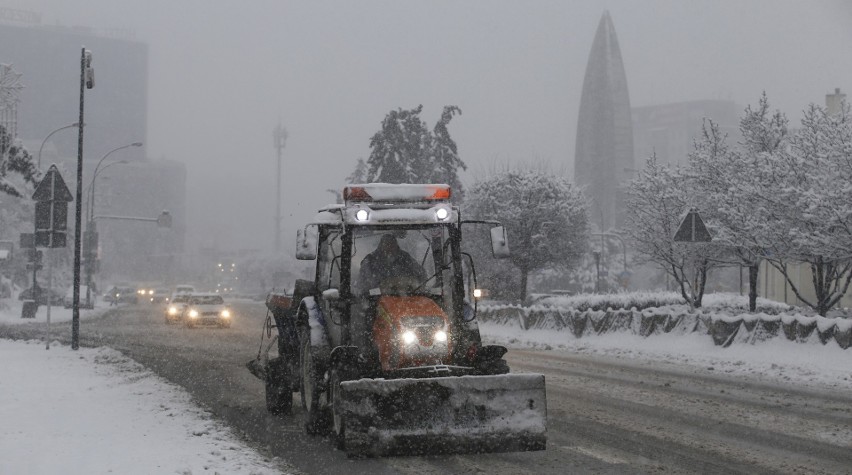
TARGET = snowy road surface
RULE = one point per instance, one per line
(606, 414)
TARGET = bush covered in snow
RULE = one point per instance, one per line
(642, 300)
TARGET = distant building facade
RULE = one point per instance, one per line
(49, 60)
(604, 150)
(670, 130)
(116, 114)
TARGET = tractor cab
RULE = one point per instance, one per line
(391, 276)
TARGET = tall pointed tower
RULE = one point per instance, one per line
(603, 159)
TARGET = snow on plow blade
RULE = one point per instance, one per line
(458, 414)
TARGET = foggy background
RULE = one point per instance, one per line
(222, 73)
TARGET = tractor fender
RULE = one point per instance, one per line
(312, 325)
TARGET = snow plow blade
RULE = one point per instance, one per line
(457, 414)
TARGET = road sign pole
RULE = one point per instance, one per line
(49, 254)
(49, 286)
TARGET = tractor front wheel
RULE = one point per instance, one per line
(311, 389)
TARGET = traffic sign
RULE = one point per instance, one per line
(692, 229)
(52, 187)
(51, 211)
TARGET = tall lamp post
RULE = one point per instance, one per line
(280, 136)
(90, 240)
(87, 81)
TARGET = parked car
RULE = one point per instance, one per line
(127, 295)
(56, 296)
(176, 308)
(207, 309)
(68, 300)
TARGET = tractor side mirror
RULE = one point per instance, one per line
(500, 243)
(306, 244)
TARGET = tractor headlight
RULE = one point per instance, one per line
(172, 310)
(193, 313)
(225, 314)
(408, 337)
(442, 214)
(441, 336)
(362, 215)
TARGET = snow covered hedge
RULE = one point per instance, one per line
(723, 319)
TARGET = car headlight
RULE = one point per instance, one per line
(408, 337)
(226, 313)
(150, 292)
(172, 311)
(193, 313)
(442, 214)
(362, 215)
(440, 335)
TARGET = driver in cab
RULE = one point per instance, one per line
(388, 261)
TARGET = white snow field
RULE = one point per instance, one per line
(96, 411)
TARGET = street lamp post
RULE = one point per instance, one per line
(95, 173)
(90, 206)
(75, 124)
(90, 227)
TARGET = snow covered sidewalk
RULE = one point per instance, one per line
(96, 411)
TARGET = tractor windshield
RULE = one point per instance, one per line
(400, 260)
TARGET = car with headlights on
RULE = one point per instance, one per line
(207, 309)
(176, 308)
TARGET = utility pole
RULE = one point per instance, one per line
(87, 81)
(279, 135)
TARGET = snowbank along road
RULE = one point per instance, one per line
(606, 415)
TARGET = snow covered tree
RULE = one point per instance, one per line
(15, 158)
(359, 175)
(545, 216)
(807, 207)
(405, 151)
(726, 178)
(658, 199)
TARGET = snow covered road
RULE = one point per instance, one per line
(622, 410)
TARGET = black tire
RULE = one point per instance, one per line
(279, 399)
(310, 389)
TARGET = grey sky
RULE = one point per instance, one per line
(223, 72)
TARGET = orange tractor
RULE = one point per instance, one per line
(384, 346)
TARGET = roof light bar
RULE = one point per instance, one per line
(389, 193)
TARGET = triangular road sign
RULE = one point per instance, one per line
(692, 229)
(52, 187)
